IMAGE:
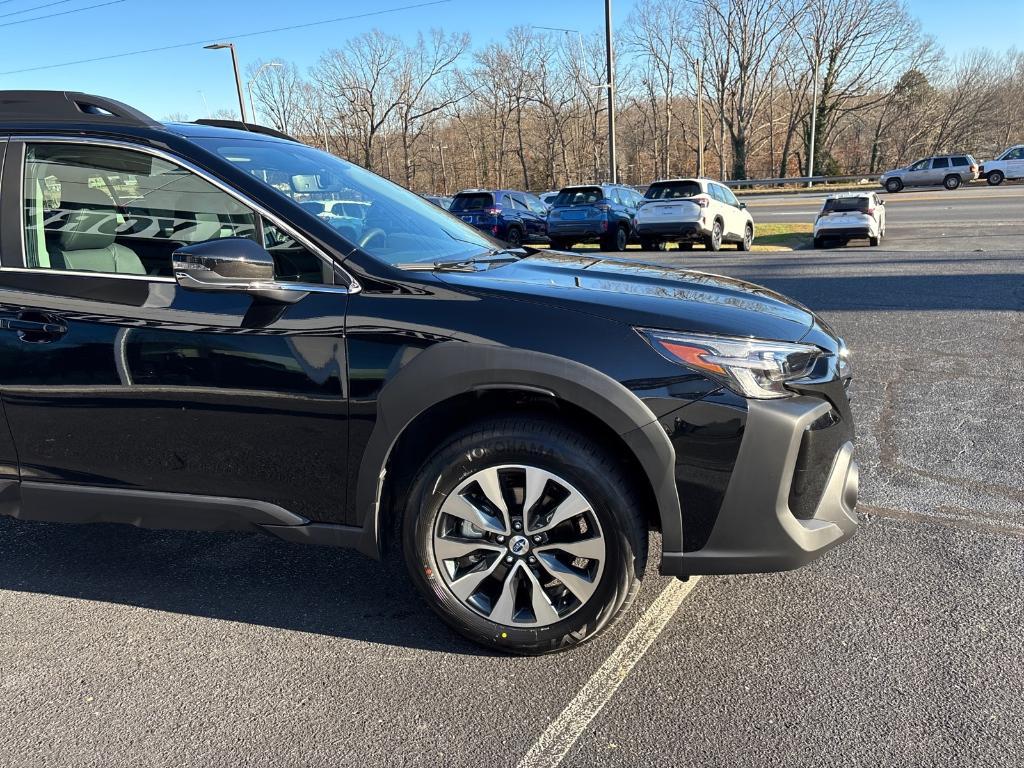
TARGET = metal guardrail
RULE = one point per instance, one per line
(745, 183)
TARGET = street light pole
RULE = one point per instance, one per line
(610, 53)
(238, 76)
(252, 104)
(444, 173)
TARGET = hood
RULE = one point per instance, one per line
(643, 295)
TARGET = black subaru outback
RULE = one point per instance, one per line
(190, 346)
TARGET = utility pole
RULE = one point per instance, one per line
(238, 75)
(613, 175)
(700, 119)
(814, 122)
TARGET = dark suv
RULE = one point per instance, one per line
(594, 213)
(511, 216)
(187, 346)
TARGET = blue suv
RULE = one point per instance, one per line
(601, 213)
(509, 215)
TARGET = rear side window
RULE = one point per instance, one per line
(960, 161)
(940, 162)
(580, 196)
(472, 201)
(847, 205)
(673, 190)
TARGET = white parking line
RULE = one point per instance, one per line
(554, 744)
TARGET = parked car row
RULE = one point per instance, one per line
(682, 211)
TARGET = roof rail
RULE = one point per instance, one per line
(238, 125)
(68, 107)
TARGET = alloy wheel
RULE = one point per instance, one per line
(519, 545)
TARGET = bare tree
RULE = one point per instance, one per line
(279, 93)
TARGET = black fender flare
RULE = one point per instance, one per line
(448, 369)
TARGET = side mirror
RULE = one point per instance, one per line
(743, 206)
(231, 264)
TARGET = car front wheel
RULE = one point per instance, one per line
(893, 185)
(748, 239)
(995, 178)
(524, 536)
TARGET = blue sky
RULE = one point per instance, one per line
(170, 81)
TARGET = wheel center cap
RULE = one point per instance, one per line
(519, 545)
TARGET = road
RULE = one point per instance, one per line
(971, 218)
(123, 647)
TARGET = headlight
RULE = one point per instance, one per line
(750, 367)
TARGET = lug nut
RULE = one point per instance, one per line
(517, 525)
(538, 539)
(533, 559)
(501, 539)
(510, 559)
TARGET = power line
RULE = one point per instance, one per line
(35, 8)
(61, 13)
(223, 37)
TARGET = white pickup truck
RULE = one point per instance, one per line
(1009, 165)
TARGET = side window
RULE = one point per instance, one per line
(716, 192)
(920, 165)
(959, 162)
(940, 162)
(730, 198)
(536, 205)
(115, 211)
(1017, 154)
(518, 203)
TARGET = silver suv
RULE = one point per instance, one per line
(948, 170)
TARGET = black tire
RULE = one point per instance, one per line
(652, 245)
(514, 237)
(748, 239)
(951, 182)
(893, 185)
(819, 242)
(561, 451)
(713, 242)
(616, 241)
(560, 245)
(686, 246)
(995, 178)
(874, 241)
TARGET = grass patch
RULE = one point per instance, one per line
(787, 236)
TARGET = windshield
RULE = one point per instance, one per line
(387, 222)
(673, 190)
(579, 196)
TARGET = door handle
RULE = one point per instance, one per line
(42, 330)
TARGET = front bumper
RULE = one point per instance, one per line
(756, 529)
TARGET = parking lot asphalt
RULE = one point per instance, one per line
(123, 647)
(973, 218)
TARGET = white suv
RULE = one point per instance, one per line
(850, 216)
(1009, 165)
(687, 211)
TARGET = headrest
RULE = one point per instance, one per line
(91, 219)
